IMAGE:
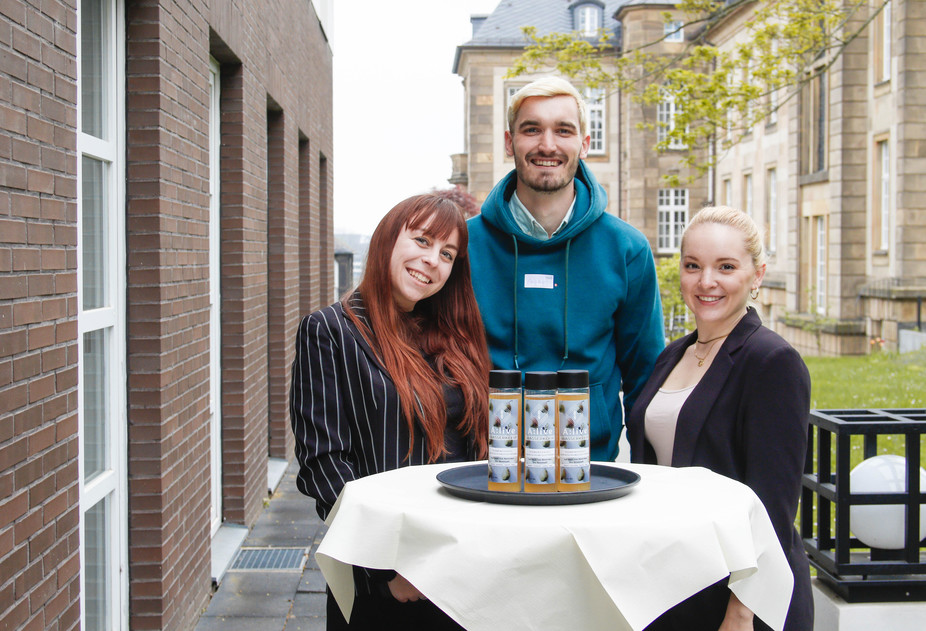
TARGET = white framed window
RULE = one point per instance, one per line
(773, 101)
(771, 209)
(881, 41)
(665, 121)
(674, 31)
(814, 123)
(588, 19)
(672, 209)
(215, 301)
(750, 113)
(101, 326)
(820, 267)
(594, 98)
(747, 195)
(727, 192)
(773, 108)
(881, 206)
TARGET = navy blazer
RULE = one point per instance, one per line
(746, 419)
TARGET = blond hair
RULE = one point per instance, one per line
(548, 86)
(737, 219)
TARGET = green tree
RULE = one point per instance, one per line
(719, 94)
(675, 313)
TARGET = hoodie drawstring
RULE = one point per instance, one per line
(515, 240)
(566, 309)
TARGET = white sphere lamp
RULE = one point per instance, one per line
(880, 525)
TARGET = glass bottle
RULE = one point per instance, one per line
(505, 430)
(573, 431)
(540, 432)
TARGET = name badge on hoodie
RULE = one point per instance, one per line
(538, 281)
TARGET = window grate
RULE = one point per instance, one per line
(270, 559)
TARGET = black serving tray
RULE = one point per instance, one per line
(471, 482)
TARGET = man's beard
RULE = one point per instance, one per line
(545, 183)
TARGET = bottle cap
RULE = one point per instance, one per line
(540, 380)
(504, 378)
(572, 379)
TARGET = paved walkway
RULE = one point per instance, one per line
(292, 598)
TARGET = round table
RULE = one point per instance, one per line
(614, 564)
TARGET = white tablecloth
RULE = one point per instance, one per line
(616, 564)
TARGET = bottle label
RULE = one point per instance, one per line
(503, 437)
(540, 439)
(574, 461)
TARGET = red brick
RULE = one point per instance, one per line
(12, 342)
(41, 388)
(13, 618)
(13, 398)
(27, 366)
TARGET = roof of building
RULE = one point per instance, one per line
(502, 27)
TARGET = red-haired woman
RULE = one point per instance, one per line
(393, 375)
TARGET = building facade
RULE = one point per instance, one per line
(165, 217)
(833, 177)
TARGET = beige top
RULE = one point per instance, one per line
(661, 419)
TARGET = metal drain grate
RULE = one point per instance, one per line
(270, 559)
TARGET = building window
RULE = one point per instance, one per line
(215, 302)
(672, 208)
(881, 44)
(747, 195)
(881, 197)
(665, 122)
(771, 209)
(727, 192)
(673, 31)
(101, 316)
(820, 264)
(772, 99)
(594, 98)
(772, 108)
(588, 19)
(750, 113)
(813, 124)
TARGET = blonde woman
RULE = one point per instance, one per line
(733, 397)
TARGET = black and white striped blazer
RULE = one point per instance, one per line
(344, 408)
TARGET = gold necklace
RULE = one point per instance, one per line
(698, 357)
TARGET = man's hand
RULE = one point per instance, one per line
(738, 617)
(403, 591)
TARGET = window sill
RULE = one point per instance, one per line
(813, 178)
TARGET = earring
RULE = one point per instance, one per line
(754, 293)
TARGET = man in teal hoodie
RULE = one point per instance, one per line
(561, 284)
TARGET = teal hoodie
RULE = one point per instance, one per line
(587, 299)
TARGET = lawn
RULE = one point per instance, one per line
(879, 380)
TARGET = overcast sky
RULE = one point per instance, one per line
(398, 106)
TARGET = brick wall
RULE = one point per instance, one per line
(275, 89)
(38, 328)
(276, 264)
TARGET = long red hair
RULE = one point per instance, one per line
(446, 327)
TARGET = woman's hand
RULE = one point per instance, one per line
(403, 591)
(738, 618)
